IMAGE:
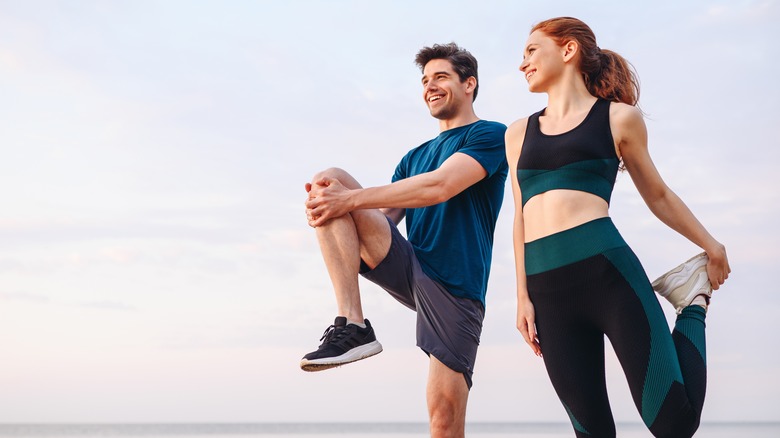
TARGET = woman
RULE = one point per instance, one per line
(577, 280)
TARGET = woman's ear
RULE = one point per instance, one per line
(570, 49)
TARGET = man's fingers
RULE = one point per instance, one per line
(324, 181)
(312, 203)
(318, 220)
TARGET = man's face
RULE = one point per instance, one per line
(443, 91)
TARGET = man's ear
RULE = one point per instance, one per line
(471, 83)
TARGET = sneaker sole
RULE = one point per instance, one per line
(353, 355)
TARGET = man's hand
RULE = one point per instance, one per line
(327, 199)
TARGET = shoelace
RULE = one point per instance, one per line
(327, 332)
(331, 335)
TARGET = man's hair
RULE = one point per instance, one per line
(463, 62)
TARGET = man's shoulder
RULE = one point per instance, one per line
(480, 128)
(487, 129)
(492, 124)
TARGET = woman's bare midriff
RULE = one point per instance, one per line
(558, 210)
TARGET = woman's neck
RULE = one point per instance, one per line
(567, 96)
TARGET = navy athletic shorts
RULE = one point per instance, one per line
(448, 327)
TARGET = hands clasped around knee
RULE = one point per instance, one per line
(327, 198)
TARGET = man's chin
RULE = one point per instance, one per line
(441, 115)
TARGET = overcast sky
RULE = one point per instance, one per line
(155, 262)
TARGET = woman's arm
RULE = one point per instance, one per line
(630, 134)
(525, 308)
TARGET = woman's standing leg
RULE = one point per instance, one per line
(573, 349)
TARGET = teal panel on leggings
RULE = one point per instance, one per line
(577, 426)
(664, 366)
(571, 246)
(690, 322)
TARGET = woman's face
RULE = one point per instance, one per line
(543, 61)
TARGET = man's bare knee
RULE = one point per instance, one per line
(332, 172)
(447, 418)
(339, 174)
(447, 398)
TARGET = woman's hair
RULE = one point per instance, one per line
(607, 74)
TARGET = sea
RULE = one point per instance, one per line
(362, 430)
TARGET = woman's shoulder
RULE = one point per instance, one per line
(621, 113)
(515, 134)
(517, 127)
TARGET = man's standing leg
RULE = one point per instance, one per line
(344, 241)
(447, 395)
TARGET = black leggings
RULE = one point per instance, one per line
(586, 283)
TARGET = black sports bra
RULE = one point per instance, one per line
(581, 159)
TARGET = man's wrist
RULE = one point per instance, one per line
(353, 199)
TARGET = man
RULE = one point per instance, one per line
(450, 189)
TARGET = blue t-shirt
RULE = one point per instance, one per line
(454, 239)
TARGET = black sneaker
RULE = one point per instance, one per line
(342, 343)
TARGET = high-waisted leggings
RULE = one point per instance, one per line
(585, 283)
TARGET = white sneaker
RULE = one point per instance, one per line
(685, 282)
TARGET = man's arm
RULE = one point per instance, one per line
(395, 214)
(329, 199)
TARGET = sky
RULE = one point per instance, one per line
(155, 261)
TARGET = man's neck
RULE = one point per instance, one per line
(457, 121)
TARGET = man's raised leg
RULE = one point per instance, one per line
(343, 242)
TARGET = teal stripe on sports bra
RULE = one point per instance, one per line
(590, 176)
